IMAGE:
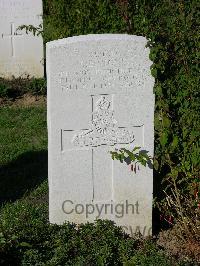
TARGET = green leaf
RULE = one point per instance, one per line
(175, 142)
(166, 122)
(164, 138)
(154, 72)
(155, 164)
(25, 244)
(136, 148)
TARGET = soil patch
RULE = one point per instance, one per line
(25, 100)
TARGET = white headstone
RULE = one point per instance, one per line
(100, 97)
(21, 54)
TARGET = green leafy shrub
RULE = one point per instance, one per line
(174, 43)
(39, 243)
(4, 90)
(37, 86)
(26, 238)
(76, 17)
(14, 87)
(149, 255)
(17, 87)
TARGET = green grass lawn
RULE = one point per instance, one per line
(23, 150)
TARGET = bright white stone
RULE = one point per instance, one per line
(21, 54)
(100, 97)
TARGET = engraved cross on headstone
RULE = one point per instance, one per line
(103, 134)
(13, 34)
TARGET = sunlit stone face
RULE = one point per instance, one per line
(100, 97)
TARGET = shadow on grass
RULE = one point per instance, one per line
(22, 175)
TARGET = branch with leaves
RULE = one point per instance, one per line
(30, 28)
(134, 157)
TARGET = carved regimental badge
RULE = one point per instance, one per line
(104, 129)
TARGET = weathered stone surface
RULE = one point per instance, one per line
(21, 54)
(100, 97)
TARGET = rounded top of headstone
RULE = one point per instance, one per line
(96, 37)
